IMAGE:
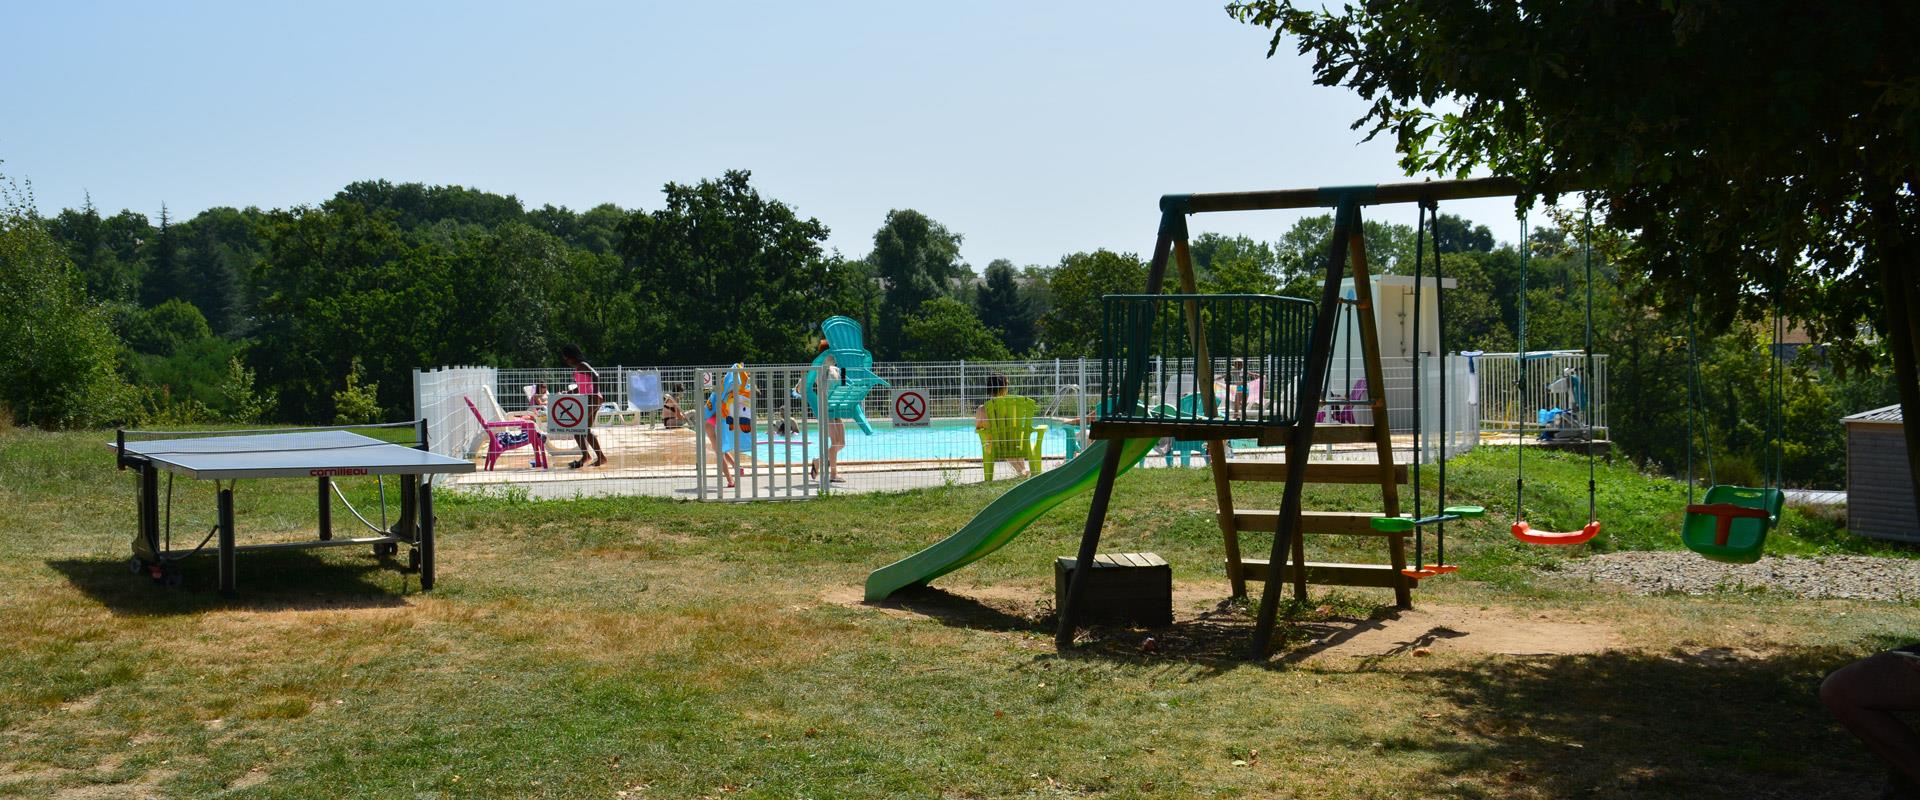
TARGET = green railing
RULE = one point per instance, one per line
(1255, 349)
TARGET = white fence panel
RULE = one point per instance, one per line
(440, 397)
(766, 445)
(1512, 394)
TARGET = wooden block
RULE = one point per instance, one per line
(1333, 574)
(1128, 588)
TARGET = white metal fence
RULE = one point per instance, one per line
(439, 397)
(647, 452)
(1513, 394)
(766, 444)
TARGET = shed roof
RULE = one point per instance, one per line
(1889, 415)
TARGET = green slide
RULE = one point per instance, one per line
(1003, 519)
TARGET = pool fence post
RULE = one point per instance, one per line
(699, 436)
(419, 406)
(963, 388)
(1081, 406)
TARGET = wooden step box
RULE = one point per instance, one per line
(1127, 588)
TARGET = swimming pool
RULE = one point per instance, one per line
(944, 439)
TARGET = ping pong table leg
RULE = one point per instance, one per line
(326, 508)
(146, 543)
(424, 534)
(226, 541)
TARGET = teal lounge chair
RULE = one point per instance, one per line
(1191, 408)
(846, 399)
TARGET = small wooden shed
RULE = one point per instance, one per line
(1879, 484)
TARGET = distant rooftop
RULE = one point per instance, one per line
(1889, 414)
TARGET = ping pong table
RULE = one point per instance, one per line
(319, 454)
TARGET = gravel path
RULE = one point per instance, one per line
(1851, 577)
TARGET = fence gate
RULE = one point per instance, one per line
(764, 439)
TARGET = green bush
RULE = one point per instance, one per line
(244, 402)
(59, 353)
(358, 403)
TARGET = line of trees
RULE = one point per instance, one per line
(319, 313)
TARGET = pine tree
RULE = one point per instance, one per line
(1003, 307)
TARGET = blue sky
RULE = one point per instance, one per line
(1032, 129)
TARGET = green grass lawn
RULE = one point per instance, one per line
(670, 649)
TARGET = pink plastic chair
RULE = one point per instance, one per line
(1346, 413)
(1343, 412)
(511, 434)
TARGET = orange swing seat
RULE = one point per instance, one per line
(1526, 533)
(1429, 570)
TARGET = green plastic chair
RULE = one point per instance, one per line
(1731, 523)
(1010, 433)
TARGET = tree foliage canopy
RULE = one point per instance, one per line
(946, 329)
(1762, 153)
(1003, 307)
(1732, 137)
(59, 355)
(1072, 325)
(918, 260)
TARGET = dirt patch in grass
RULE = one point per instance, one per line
(146, 786)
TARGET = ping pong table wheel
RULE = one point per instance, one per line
(172, 576)
(136, 566)
(413, 559)
(386, 549)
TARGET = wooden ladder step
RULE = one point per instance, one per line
(1338, 523)
(1317, 472)
(1332, 574)
(1339, 433)
(1323, 433)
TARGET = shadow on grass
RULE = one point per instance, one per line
(1218, 638)
(1706, 723)
(961, 611)
(273, 581)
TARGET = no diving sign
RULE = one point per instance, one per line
(910, 408)
(568, 415)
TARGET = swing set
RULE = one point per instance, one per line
(1522, 529)
(1429, 217)
(1199, 335)
(1730, 523)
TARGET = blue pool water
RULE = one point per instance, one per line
(944, 439)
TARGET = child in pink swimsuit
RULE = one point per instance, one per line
(583, 379)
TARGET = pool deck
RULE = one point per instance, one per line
(653, 477)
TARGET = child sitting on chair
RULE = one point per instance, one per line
(997, 384)
(536, 405)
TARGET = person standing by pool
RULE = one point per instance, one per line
(584, 377)
(729, 417)
(1240, 379)
(836, 428)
